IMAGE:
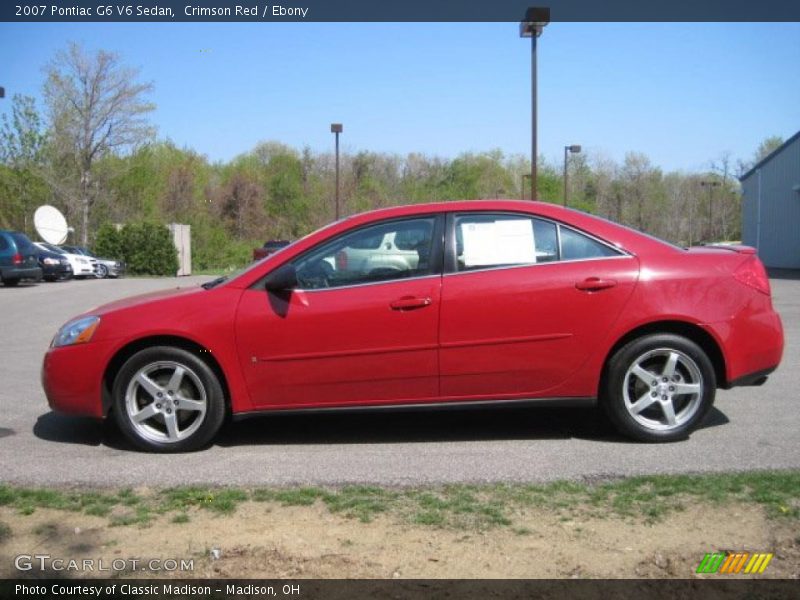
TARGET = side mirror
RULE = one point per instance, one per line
(282, 279)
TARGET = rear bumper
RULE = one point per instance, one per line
(751, 379)
(57, 271)
(752, 342)
(34, 273)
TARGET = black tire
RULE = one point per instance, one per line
(10, 282)
(638, 401)
(198, 385)
(102, 271)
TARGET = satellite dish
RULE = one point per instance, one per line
(50, 224)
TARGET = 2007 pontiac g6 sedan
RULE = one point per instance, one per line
(482, 302)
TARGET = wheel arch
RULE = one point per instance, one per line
(693, 332)
(131, 348)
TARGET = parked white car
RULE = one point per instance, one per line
(82, 266)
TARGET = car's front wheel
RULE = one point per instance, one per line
(658, 388)
(102, 271)
(168, 399)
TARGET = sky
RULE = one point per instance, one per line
(682, 93)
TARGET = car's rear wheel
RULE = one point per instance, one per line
(10, 282)
(167, 399)
(658, 388)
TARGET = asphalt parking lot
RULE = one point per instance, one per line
(749, 428)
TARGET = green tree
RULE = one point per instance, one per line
(767, 147)
(96, 108)
(22, 151)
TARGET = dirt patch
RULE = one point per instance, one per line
(273, 541)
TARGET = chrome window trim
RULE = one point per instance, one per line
(620, 252)
(368, 283)
(540, 264)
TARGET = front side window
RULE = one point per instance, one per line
(383, 252)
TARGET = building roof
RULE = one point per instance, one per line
(769, 156)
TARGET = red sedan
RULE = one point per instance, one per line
(481, 303)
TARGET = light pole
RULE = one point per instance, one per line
(535, 20)
(524, 177)
(710, 185)
(2, 92)
(574, 149)
(336, 128)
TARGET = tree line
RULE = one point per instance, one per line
(93, 154)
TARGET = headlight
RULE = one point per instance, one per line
(78, 331)
(51, 261)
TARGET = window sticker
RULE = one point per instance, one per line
(502, 242)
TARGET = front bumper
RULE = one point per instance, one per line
(72, 378)
(115, 268)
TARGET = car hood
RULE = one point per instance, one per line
(145, 299)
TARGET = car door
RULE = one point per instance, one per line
(524, 302)
(354, 331)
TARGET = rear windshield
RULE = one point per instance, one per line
(23, 243)
(52, 248)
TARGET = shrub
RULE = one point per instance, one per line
(146, 248)
(108, 242)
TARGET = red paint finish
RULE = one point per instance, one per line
(524, 330)
(335, 346)
(536, 331)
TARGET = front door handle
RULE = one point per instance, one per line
(595, 284)
(410, 302)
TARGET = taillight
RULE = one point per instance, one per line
(753, 274)
(341, 260)
(17, 260)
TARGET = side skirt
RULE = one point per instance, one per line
(426, 406)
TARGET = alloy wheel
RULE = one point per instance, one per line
(663, 389)
(166, 402)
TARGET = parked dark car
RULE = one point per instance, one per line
(55, 266)
(106, 267)
(17, 258)
(270, 247)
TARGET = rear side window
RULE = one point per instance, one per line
(486, 241)
(576, 246)
(3, 242)
(22, 242)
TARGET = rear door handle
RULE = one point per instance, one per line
(410, 302)
(595, 284)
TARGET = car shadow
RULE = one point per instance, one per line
(64, 429)
(495, 424)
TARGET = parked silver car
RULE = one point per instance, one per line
(104, 267)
